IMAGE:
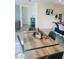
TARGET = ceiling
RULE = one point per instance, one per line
(38, 1)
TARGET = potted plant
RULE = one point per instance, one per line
(37, 34)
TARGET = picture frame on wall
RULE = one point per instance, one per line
(56, 16)
(51, 11)
(60, 16)
(47, 11)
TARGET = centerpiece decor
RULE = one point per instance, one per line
(37, 34)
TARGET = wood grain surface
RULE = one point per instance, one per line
(32, 43)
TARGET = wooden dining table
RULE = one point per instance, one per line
(35, 48)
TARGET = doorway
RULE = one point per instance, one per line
(25, 25)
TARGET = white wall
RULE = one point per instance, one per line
(45, 21)
(38, 11)
(32, 12)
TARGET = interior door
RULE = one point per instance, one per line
(24, 17)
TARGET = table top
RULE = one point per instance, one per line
(39, 47)
(34, 54)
